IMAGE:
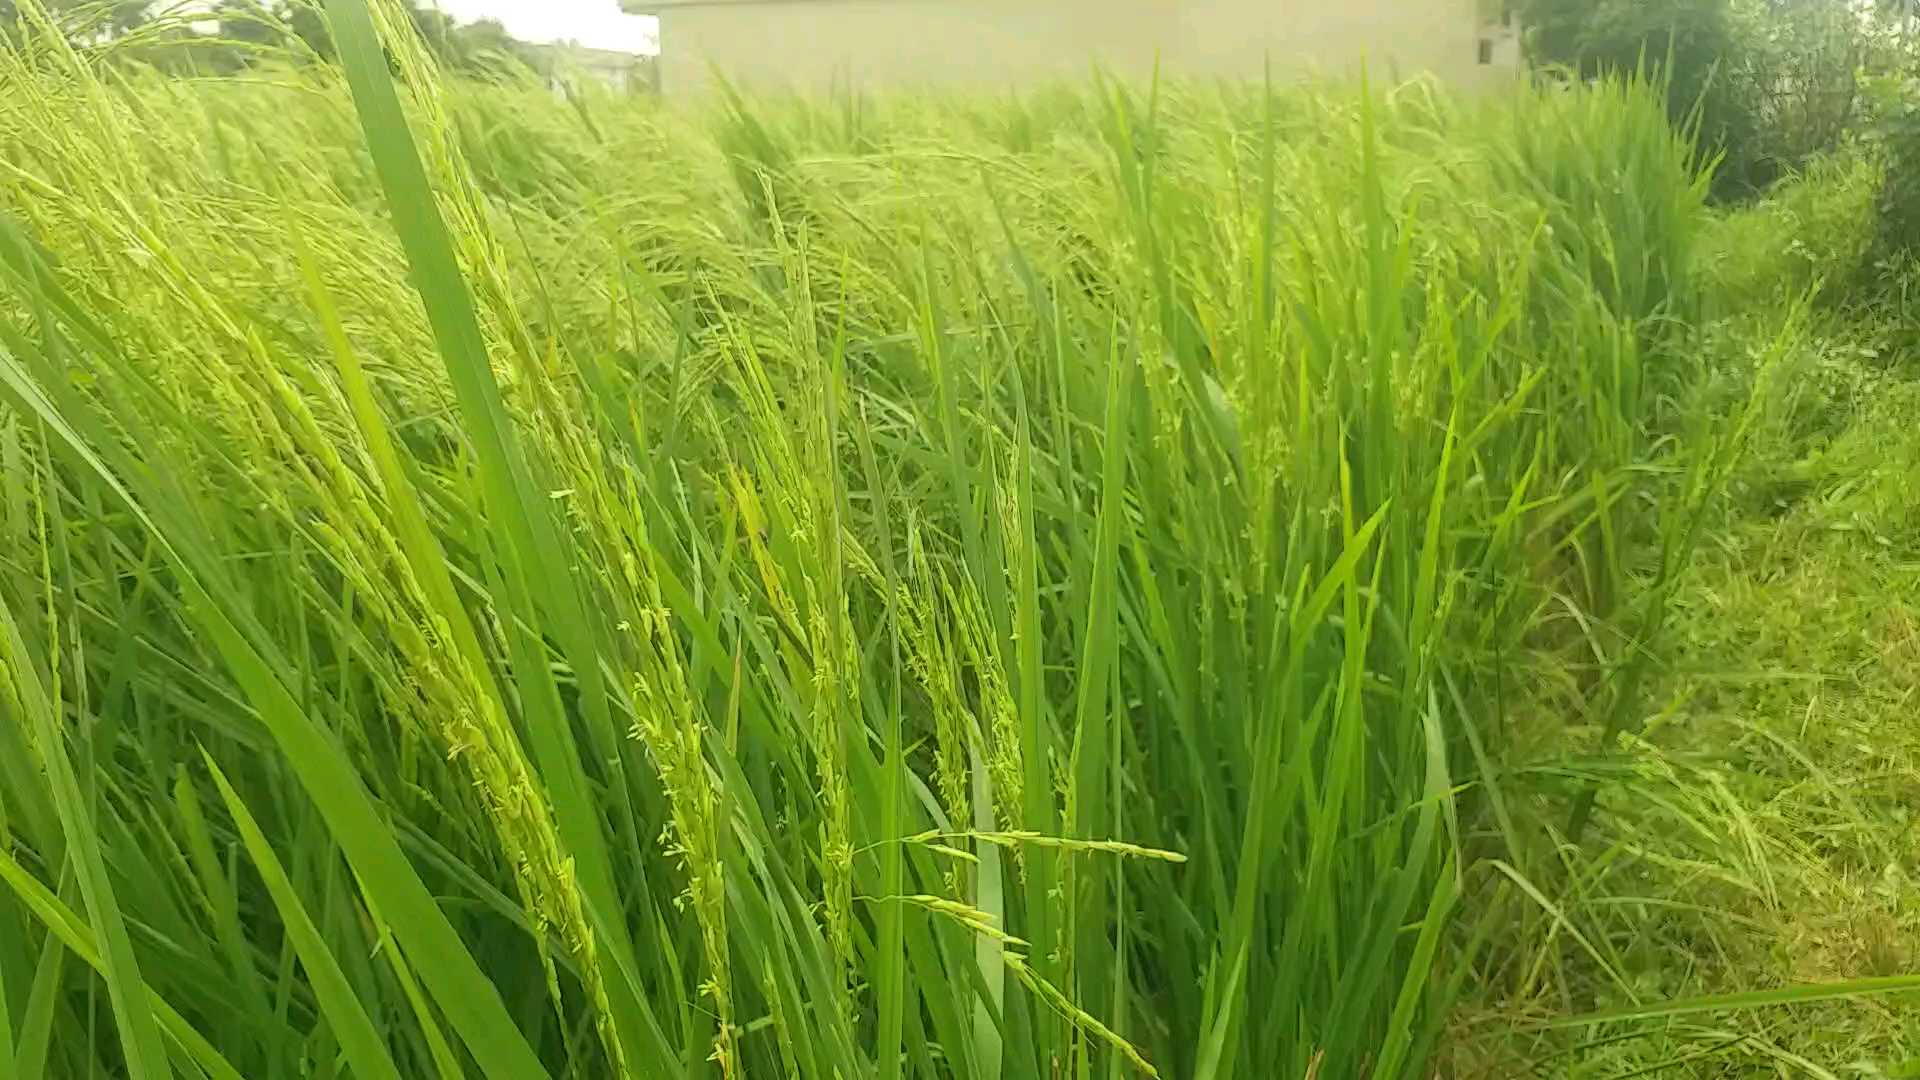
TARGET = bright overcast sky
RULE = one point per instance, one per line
(597, 24)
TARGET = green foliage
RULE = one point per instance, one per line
(251, 32)
(908, 588)
(1801, 63)
(481, 47)
(1897, 134)
(1813, 232)
(1765, 85)
(1689, 45)
(1755, 845)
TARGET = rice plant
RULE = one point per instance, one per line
(913, 587)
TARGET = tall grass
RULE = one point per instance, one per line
(882, 588)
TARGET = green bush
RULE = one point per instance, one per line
(1765, 86)
(1814, 230)
(1691, 45)
(1799, 63)
(1897, 134)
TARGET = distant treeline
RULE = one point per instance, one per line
(234, 34)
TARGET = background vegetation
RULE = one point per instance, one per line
(1765, 86)
(230, 36)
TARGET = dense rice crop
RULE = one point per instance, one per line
(503, 586)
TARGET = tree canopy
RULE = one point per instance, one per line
(236, 33)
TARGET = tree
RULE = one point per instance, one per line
(484, 47)
(435, 28)
(309, 24)
(247, 22)
(91, 19)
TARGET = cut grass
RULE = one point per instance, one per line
(1750, 879)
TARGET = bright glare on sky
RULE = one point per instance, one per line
(597, 24)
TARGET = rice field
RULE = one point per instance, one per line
(1024, 586)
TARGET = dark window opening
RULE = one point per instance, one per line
(1486, 50)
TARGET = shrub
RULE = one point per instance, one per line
(1799, 62)
(1690, 45)
(1764, 85)
(1897, 134)
(1816, 229)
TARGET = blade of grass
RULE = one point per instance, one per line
(537, 562)
(470, 1001)
(65, 924)
(133, 1015)
(359, 1040)
(1741, 1001)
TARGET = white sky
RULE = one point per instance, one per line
(597, 24)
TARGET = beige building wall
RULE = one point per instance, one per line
(806, 44)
